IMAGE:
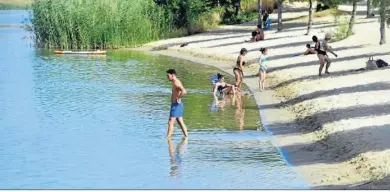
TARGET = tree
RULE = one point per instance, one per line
(259, 8)
(310, 22)
(280, 10)
(369, 9)
(384, 16)
(353, 15)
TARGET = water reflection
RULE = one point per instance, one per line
(219, 104)
(175, 156)
(240, 111)
(236, 101)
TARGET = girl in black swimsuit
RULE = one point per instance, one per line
(223, 87)
(238, 73)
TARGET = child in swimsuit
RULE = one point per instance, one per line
(321, 49)
(262, 68)
(309, 50)
(221, 87)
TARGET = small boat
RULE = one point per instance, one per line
(97, 52)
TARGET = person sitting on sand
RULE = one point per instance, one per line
(223, 88)
(321, 49)
(309, 50)
(262, 68)
(258, 35)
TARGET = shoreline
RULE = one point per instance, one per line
(270, 118)
(332, 130)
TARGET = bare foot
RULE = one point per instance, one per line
(168, 137)
(327, 72)
(184, 140)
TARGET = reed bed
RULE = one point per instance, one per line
(98, 24)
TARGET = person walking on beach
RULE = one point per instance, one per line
(238, 70)
(262, 68)
(177, 106)
(321, 48)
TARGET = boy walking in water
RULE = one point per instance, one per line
(177, 106)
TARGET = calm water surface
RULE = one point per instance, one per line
(80, 122)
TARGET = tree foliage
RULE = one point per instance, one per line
(385, 5)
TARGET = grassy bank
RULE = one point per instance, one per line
(12, 6)
(15, 4)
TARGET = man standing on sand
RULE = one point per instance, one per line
(177, 106)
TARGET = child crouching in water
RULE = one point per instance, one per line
(262, 68)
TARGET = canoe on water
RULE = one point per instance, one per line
(98, 52)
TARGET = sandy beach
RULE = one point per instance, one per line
(333, 129)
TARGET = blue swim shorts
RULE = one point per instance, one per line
(177, 110)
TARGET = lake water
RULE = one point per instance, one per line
(98, 122)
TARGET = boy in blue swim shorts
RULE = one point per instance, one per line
(177, 106)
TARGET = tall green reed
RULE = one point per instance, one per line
(91, 24)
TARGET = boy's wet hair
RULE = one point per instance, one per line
(259, 26)
(171, 71)
(308, 45)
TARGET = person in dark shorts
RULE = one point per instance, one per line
(321, 48)
(177, 106)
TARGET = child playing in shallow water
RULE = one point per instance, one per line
(262, 68)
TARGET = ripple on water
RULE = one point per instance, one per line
(69, 122)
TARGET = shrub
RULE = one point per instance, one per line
(205, 21)
(340, 31)
(75, 24)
